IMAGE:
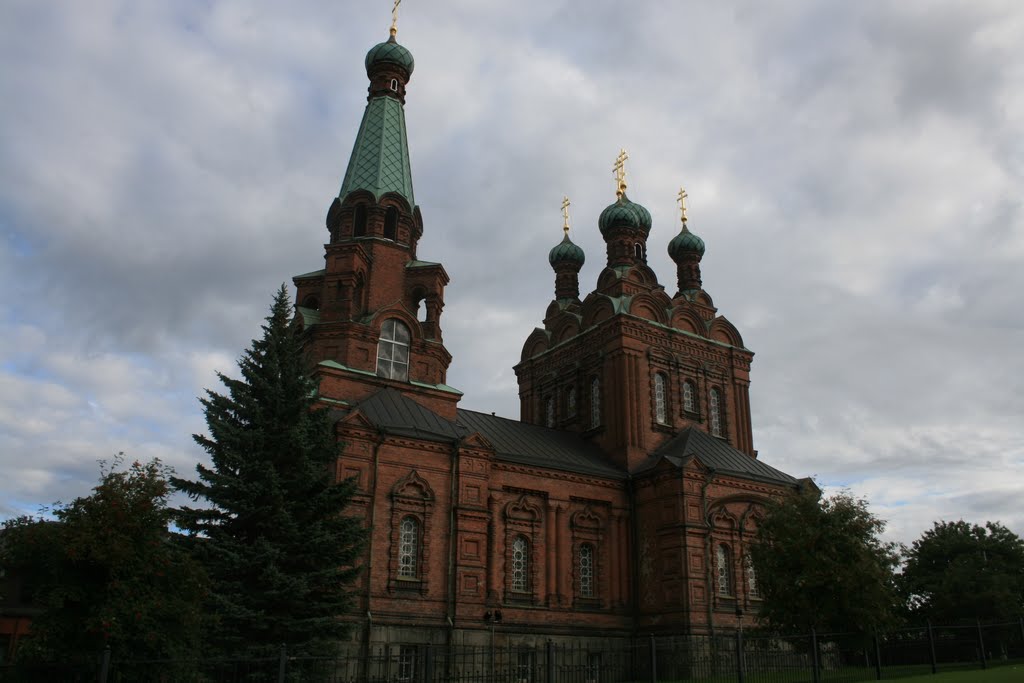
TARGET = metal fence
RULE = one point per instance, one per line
(745, 657)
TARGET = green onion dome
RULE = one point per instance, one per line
(566, 252)
(624, 213)
(392, 53)
(685, 243)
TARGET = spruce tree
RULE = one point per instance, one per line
(275, 541)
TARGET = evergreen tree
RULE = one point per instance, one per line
(821, 564)
(275, 542)
(106, 572)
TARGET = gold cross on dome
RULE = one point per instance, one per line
(565, 215)
(394, 17)
(682, 204)
(620, 173)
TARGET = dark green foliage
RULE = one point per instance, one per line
(820, 564)
(958, 571)
(106, 572)
(275, 543)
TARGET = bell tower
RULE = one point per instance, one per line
(372, 314)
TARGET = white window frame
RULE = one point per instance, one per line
(408, 547)
(660, 404)
(393, 350)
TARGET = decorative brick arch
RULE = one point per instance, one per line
(411, 496)
(523, 518)
(588, 527)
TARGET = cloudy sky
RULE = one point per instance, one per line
(854, 168)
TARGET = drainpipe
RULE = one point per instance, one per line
(450, 617)
(369, 554)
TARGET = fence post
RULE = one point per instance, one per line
(815, 674)
(931, 647)
(654, 659)
(550, 654)
(428, 664)
(282, 663)
(878, 658)
(1020, 620)
(105, 665)
(981, 646)
(739, 655)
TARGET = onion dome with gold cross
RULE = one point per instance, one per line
(390, 52)
(686, 249)
(623, 213)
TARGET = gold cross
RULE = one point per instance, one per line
(682, 204)
(394, 17)
(620, 173)
(565, 215)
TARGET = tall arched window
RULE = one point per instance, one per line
(752, 589)
(391, 223)
(359, 222)
(723, 570)
(520, 565)
(638, 251)
(393, 350)
(595, 402)
(586, 560)
(570, 402)
(408, 548)
(549, 411)
(715, 412)
(689, 397)
(660, 411)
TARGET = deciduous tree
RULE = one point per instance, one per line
(959, 571)
(821, 564)
(107, 573)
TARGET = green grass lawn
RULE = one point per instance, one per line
(1013, 673)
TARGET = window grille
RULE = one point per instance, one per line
(586, 570)
(393, 351)
(715, 412)
(520, 565)
(660, 413)
(408, 548)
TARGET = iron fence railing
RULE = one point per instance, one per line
(744, 657)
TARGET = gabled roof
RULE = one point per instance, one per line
(529, 444)
(395, 413)
(718, 455)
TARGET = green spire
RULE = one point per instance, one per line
(380, 157)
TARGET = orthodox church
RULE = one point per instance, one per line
(623, 500)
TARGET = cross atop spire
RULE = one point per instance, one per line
(620, 173)
(682, 204)
(394, 17)
(565, 215)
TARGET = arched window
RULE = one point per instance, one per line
(311, 302)
(586, 570)
(748, 566)
(660, 411)
(520, 565)
(359, 222)
(638, 251)
(393, 350)
(391, 223)
(689, 397)
(408, 548)
(394, 84)
(549, 411)
(715, 412)
(570, 402)
(595, 402)
(723, 570)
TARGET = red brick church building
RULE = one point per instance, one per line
(623, 500)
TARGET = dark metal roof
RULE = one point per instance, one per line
(529, 444)
(717, 455)
(395, 413)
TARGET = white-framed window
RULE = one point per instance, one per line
(660, 410)
(595, 402)
(723, 569)
(408, 548)
(393, 350)
(586, 560)
(394, 84)
(520, 565)
(406, 663)
(752, 590)
(689, 397)
(715, 412)
(570, 402)
(549, 411)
